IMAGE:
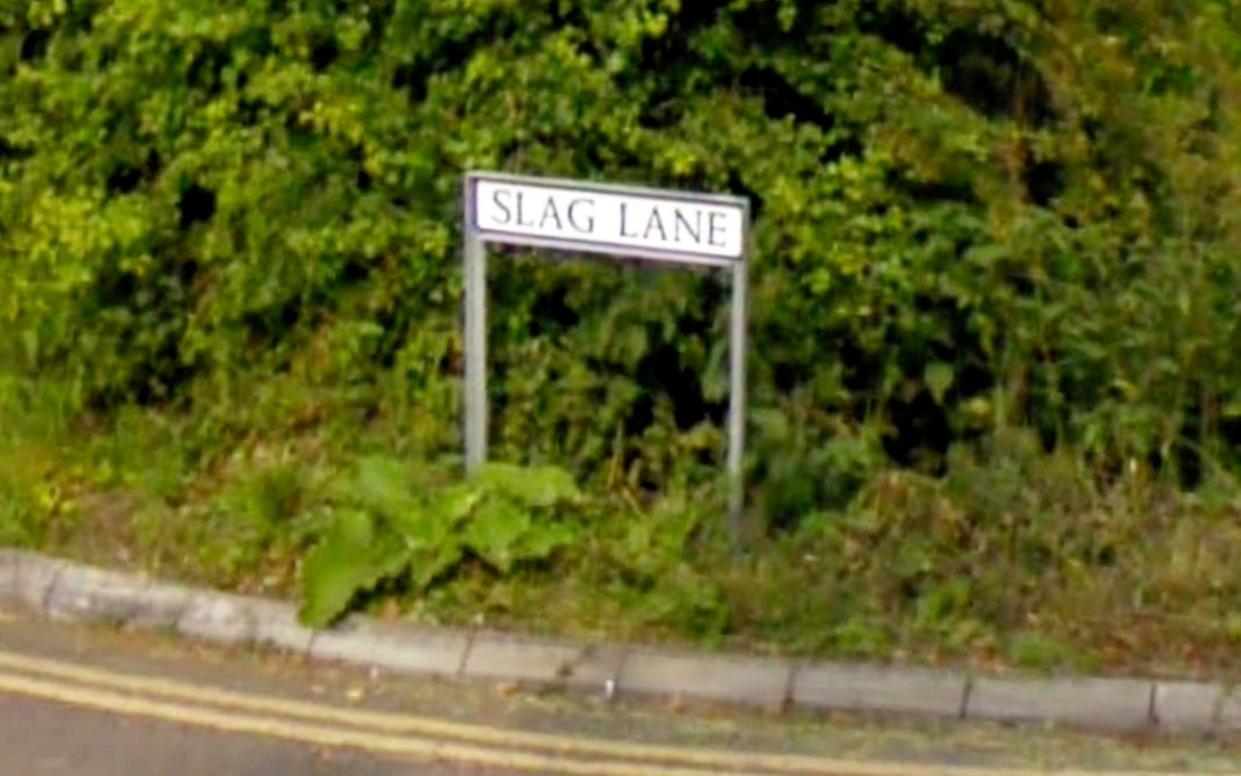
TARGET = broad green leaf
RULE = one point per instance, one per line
(428, 564)
(544, 538)
(536, 486)
(454, 504)
(380, 484)
(496, 530)
(938, 377)
(351, 558)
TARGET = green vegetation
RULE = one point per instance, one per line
(996, 411)
(388, 534)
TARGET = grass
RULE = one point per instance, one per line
(1016, 557)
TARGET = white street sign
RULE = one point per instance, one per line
(624, 221)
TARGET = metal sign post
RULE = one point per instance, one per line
(475, 353)
(667, 227)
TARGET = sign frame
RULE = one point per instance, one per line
(476, 239)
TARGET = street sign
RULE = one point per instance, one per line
(658, 225)
(629, 222)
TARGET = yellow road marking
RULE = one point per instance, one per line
(362, 724)
(399, 723)
(323, 735)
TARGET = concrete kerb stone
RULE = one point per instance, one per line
(542, 662)
(1187, 706)
(218, 617)
(10, 560)
(275, 625)
(597, 667)
(503, 657)
(877, 689)
(84, 593)
(35, 576)
(363, 642)
(1113, 704)
(63, 590)
(741, 680)
(244, 620)
(1228, 713)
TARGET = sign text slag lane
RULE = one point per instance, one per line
(611, 220)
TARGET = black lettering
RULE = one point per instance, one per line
(549, 211)
(694, 231)
(712, 231)
(590, 218)
(623, 231)
(508, 214)
(655, 221)
(521, 220)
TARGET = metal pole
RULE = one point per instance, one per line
(475, 353)
(737, 398)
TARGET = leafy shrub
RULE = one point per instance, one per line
(381, 529)
(994, 315)
(970, 216)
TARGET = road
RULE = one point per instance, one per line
(90, 701)
(50, 739)
(41, 737)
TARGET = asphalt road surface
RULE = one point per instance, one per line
(92, 701)
(38, 738)
(41, 737)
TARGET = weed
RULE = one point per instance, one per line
(384, 526)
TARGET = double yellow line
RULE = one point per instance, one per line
(421, 738)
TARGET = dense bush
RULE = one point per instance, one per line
(995, 403)
(970, 215)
